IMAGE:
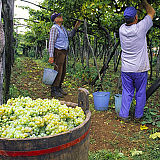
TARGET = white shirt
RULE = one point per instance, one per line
(134, 46)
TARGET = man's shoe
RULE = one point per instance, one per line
(62, 91)
(126, 120)
(56, 93)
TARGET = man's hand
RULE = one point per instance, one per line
(150, 10)
(78, 23)
(51, 60)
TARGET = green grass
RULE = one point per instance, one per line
(106, 155)
(15, 92)
(149, 151)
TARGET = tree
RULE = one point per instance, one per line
(8, 10)
(2, 42)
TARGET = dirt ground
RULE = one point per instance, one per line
(107, 132)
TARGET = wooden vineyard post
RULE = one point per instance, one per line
(83, 99)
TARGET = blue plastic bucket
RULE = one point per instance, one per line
(118, 102)
(101, 100)
(49, 76)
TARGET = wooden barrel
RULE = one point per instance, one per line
(71, 145)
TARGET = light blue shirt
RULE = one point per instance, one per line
(134, 46)
(59, 38)
(62, 38)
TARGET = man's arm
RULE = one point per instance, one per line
(52, 40)
(72, 33)
(150, 10)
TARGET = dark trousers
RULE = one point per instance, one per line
(60, 67)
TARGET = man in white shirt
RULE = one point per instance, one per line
(135, 61)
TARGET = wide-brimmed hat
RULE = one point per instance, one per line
(130, 12)
(54, 15)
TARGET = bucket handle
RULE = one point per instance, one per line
(83, 99)
(53, 64)
(56, 66)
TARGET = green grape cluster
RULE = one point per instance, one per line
(23, 117)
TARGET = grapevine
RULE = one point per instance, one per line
(23, 117)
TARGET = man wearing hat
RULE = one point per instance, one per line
(58, 48)
(135, 61)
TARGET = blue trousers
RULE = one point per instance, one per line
(130, 82)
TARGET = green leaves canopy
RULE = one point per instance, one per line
(107, 14)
